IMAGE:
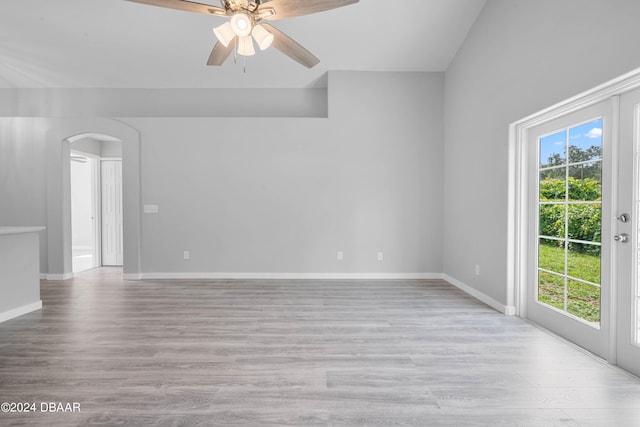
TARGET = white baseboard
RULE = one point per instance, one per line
(57, 277)
(288, 276)
(11, 314)
(131, 276)
(505, 309)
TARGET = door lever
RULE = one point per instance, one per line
(624, 218)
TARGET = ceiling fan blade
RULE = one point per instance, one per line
(220, 53)
(289, 8)
(185, 5)
(291, 48)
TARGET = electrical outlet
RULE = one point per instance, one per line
(380, 256)
(340, 255)
(477, 270)
(187, 255)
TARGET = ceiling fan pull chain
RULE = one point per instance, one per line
(244, 65)
(235, 50)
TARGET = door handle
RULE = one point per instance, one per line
(621, 238)
(623, 218)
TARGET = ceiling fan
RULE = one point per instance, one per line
(246, 24)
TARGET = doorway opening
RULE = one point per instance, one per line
(96, 202)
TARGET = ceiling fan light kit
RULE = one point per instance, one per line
(244, 25)
(263, 37)
(245, 46)
(224, 33)
(241, 26)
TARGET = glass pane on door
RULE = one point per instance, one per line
(570, 221)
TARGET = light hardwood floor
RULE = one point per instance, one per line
(296, 353)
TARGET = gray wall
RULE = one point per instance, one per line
(87, 145)
(263, 194)
(111, 149)
(284, 195)
(23, 192)
(521, 56)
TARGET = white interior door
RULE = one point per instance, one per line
(85, 237)
(112, 251)
(627, 252)
(569, 194)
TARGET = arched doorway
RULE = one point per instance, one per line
(62, 133)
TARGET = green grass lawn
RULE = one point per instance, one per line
(583, 300)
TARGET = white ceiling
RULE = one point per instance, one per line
(115, 43)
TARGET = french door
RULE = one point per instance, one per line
(584, 228)
(570, 197)
(627, 233)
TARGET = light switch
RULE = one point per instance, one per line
(151, 209)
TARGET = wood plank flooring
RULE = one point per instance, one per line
(319, 353)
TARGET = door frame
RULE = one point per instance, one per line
(517, 232)
(628, 351)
